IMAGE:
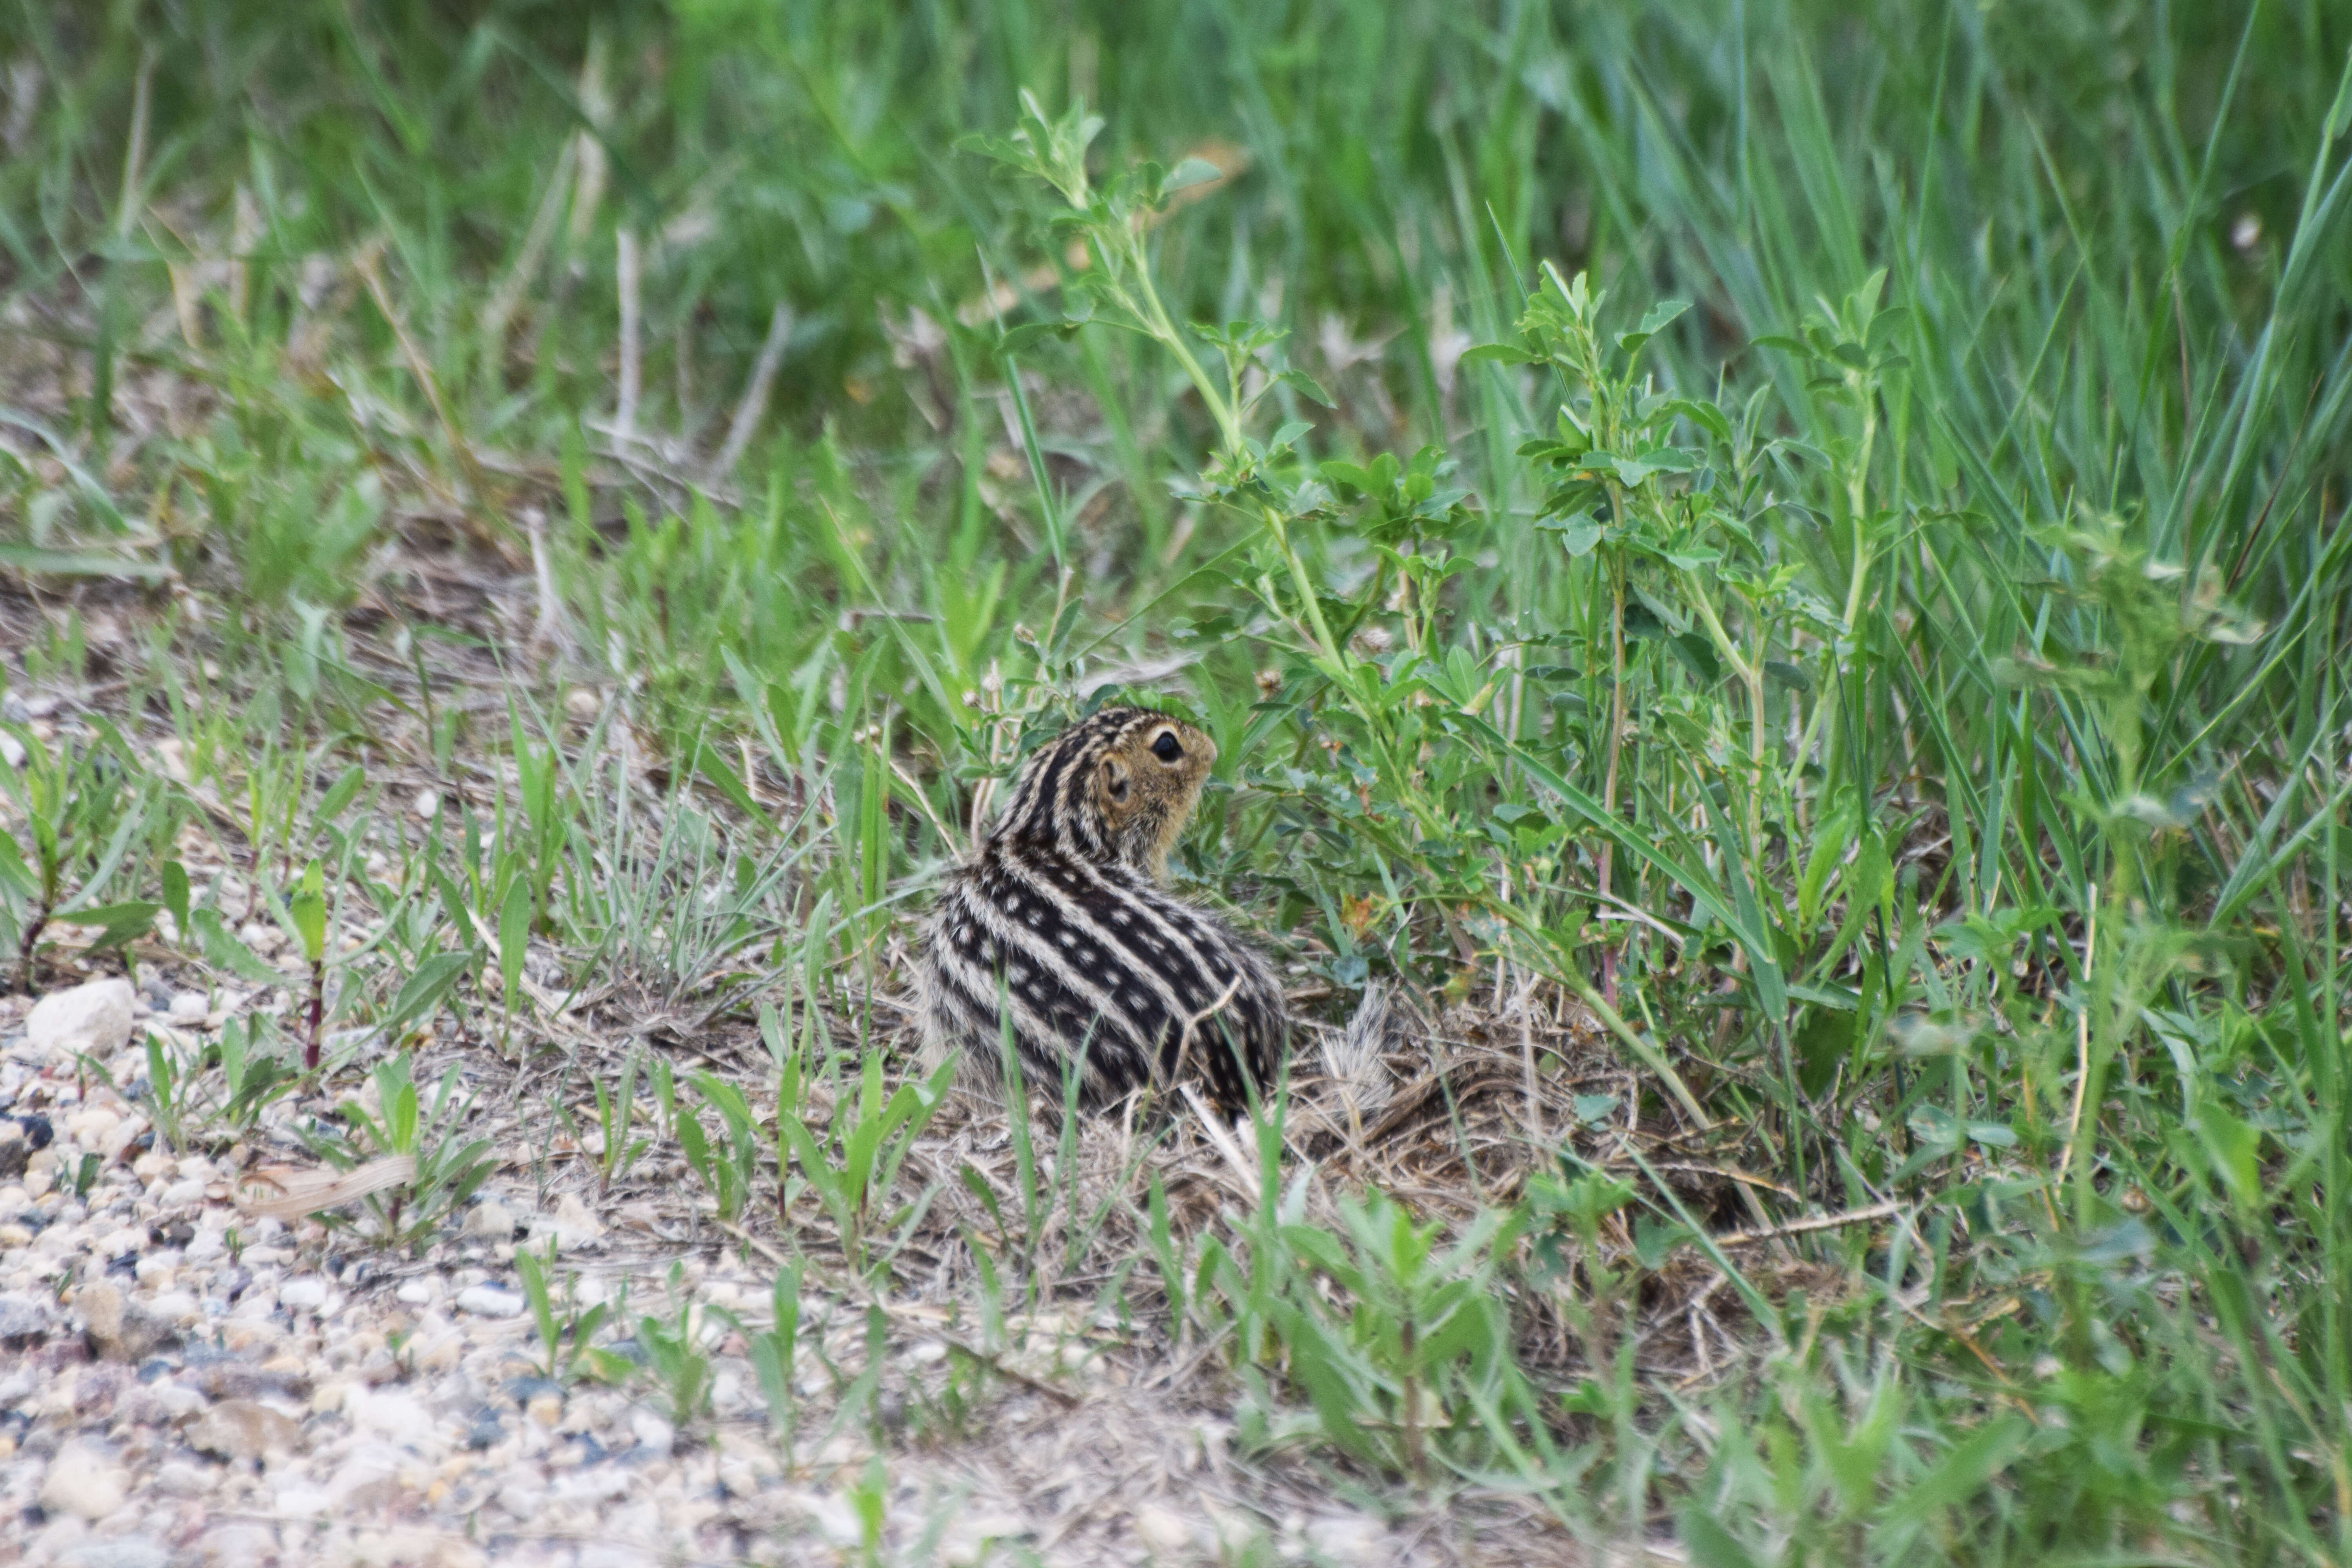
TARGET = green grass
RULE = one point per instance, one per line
(1899, 695)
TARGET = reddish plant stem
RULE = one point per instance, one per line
(318, 1013)
(25, 951)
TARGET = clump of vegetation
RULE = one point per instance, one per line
(1732, 562)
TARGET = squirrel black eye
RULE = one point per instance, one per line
(1165, 748)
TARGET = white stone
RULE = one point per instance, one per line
(179, 1479)
(365, 1465)
(521, 1491)
(300, 1497)
(177, 1400)
(93, 1125)
(651, 1430)
(492, 1220)
(177, 1308)
(399, 1417)
(836, 1520)
(238, 1541)
(1164, 1531)
(243, 1429)
(1345, 1538)
(305, 1292)
(116, 1551)
(489, 1301)
(85, 1481)
(188, 1009)
(93, 1019)
(616, 1554)
(593, 1483)
(572, 1226)
(971, 1536)
(126, 1241)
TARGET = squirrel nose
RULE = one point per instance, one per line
(1208, 752)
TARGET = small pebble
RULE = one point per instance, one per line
(84, 1481)
(116, 1552)
(305, 1292)
(651, 1430)
(490, 1301)
(91, 1019)
(491, 1219)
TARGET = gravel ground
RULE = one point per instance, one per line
(181, 1383)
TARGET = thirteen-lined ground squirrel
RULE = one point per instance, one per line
(1060, 919)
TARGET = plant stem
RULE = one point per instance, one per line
(317, 1014)
(1616, 745)
(24, 949)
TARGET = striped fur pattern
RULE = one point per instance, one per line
(1060, 919)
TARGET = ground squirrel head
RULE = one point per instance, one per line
(1117, 785)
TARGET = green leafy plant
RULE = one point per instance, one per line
(675, 1359)
(567, 1331)
(774, 1352)
(449, 1167)
(254, 1076)
(83, 810)
(730, 1166)
(853, 1167)
(615, 1110)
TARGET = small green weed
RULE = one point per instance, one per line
(450, 1166)
(567, 1331)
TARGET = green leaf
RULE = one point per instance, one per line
(176, 894)
(1962, 1473)
(424, 989)
(342, 793)
(33, 561)
(307, 910)
(1706, 416)
(221, 949)
(2234, 1151)
(514, 937)
(15, 877)
(1697, 654)
(1582, 534)
(2339, 113)
(1709, 1544)
(1501, 353)
(1307, 386)
(119, 923)
(1022, 338)
(1657, 460)
(1189, 173)
(714, 767)
(1659, 315)
(1883, 326)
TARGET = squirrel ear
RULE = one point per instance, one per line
(1114, 778)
